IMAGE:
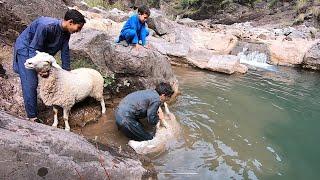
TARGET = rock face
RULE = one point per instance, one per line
(2, 72)
(311, 59)
(133, 69)
(228, 64)
(159, 23)
(34, 151)
(288, 53)
(17, 14)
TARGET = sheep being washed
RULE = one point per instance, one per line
(63, 88)
(165, 134)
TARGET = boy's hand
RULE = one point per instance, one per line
(160, 114)
(148, 46)
(163, 123)
(137, 46)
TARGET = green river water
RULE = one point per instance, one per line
(260, 125)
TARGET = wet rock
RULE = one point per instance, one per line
(311, 60)
(228, 64)
(33, 151)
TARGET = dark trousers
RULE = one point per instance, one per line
(29, 83)
(132, 128)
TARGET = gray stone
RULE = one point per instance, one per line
(311, 59)
(160, 24)
(17, 14)
(133, 69)
(36, 151)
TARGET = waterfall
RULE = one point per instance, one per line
(255, 59)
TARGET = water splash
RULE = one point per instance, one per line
(255, 59)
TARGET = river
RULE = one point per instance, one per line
(260, 125)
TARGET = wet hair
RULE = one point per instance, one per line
(144, 10)
(164, 88)
(75, 16)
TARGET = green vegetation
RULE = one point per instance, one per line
(105, 4)
(108, 80)
(300, 5)
(78, 63)
(299, 19)
(188, 3)
(272, 3)
(315, 11)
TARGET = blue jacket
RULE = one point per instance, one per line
(141, 29)
(140, 104)
(44, 34)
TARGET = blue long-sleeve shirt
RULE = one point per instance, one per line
(44, 34)
(141, 29)
(140, 104)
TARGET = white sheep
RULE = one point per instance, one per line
(63, 88)
(165, 134)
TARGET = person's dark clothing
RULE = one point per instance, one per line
(135, 106)
(44, 34)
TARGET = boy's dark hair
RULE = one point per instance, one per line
(164, 88)
(75, 16)
(144, 10)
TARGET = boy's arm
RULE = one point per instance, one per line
(152, 112)
(37, 43)
(143, 35)
(65, 55)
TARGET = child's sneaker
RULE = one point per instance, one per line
(124, 43)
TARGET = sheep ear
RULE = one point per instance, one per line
(56, 65)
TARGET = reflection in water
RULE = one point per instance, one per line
(248, 126)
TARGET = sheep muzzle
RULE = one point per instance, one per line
(44, 74)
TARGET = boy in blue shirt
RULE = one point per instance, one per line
(48, 35)
(142, 104)
(135, 30)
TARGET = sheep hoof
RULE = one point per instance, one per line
(67, 129)
(54, 125)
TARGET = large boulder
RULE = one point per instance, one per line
(221, 43)
(133, 69)
(289, 53)
(311, 59)
(228, 64)
(36, 151)
(114, 14)
(159, 23)
(17, 14)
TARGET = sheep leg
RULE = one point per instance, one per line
(55, 117)
(65, 117)
(103, 106)
(166, 109)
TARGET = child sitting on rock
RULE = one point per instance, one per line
(134, 31)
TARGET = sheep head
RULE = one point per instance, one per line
(42, 63)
